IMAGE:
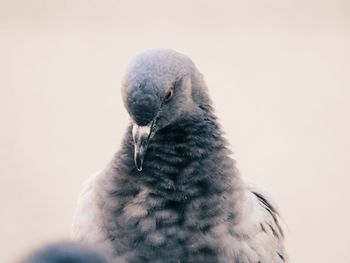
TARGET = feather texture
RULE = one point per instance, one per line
(188, 204)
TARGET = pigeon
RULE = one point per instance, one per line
(65, 252)
(172, 193)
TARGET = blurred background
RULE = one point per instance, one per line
(278, 73)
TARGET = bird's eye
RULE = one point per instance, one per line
(169, 94)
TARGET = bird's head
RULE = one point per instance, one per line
(160, 87)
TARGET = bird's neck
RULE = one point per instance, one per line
(187, 187)
(184, 160)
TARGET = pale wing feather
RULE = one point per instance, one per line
(260, 233)
(87, 222)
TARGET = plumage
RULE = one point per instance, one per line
(172, 192)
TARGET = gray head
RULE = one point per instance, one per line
(160, 87)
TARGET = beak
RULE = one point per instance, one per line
(141, 136)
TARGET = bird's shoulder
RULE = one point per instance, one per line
(86, 209)
(87, 222)
(259, 227)
(90, 216)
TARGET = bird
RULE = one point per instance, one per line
(173, 192)
(64, 252)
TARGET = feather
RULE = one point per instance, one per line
(187, 203)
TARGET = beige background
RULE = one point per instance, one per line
(278, 72)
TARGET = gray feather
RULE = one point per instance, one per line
(189, 203)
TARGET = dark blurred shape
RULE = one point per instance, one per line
(65, 252)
